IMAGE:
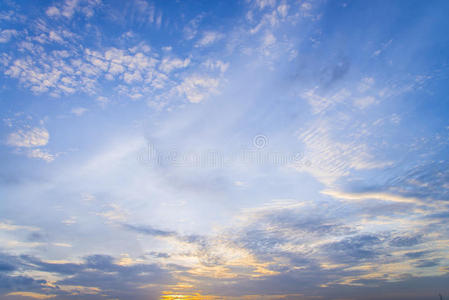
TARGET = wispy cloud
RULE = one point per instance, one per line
(209, 38)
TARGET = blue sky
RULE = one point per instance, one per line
(254, 149)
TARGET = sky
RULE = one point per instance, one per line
(249, 149)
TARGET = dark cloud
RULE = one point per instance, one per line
(359, 247)
(61, 268)
(336, 72)
(17, 283)
(6, 267)
(159, 254)
(425, 181)
(36, 237)
(440, 215)
(147, 230)
(405, 241)
(417, 254)
(116, 281)
(427, 263)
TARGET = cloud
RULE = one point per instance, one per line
(41, 154)
(320, 104)
(34, 137)
(216, 232)
(95, 275)
(191, 29)
(102, 101)
(269, 39)
(196, 87)
(31, 295)
(167, 64)
(149, 230)
(261, 4)
(283, 10)
(364, 102)
(85, 70)
(216, 65)
(78, 111)
(115, 214)
(358, 248)
(52, 11)
(65, 245)
(5, 267)
(208, 38)
(11, 227)
(69, 7)
(330, 159)
(366, 84)
(7, 34)
(405, 241)
(378, 196)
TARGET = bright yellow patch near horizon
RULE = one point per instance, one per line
(31, 295)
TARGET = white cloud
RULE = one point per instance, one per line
(135, 96)
(7, 226)
(240, 183)
(87, 197)
(269, 20)
(5, 35)
(78, 111)
(269, 39)
(65, 245)
(329, 159)
(217, 64)
(52, 11)
(261, 4)
(102, 101)
(77, 290)
(131, 77)
(191, 29)
(364, 102)
(167, 64)
(34, 137)
(367, 196)
(69, 8)
(159, 20)
(395, 119)
(209, 38)
(383, 47)
(196, 87)
(283, 10)
(306, 6)
(115, 214)
(53, 73)
(320, 104)
(70, 221)
(41, 154)
(366, 84)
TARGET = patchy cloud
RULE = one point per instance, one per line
(34, 137)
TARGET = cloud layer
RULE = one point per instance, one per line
(259, 150)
